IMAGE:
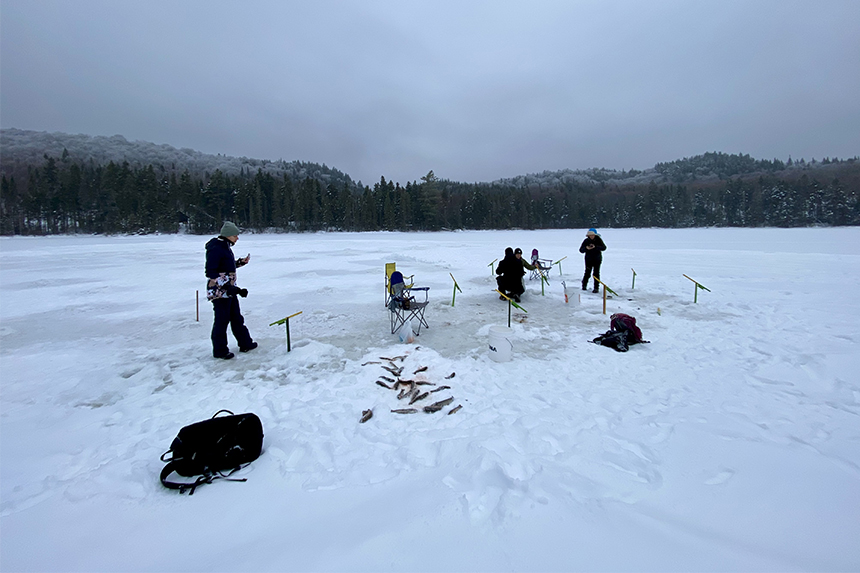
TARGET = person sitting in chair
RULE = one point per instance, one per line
(536, 261)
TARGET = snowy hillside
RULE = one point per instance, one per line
(729, 443)
(26, 147)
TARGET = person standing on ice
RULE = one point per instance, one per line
(593, 247)
(511, 271)
(221, 289)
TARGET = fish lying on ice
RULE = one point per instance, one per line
(405, 411)
(451, 375)
(422, 369)
(383, 384)
(366, 415)
(418, 397)
(395, 371)
(440, 388)
(455, 409)
(436, 406)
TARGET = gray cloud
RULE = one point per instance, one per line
(472, 90)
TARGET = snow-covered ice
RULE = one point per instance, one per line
(730, 442)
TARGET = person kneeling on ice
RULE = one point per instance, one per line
(221, 289)
(511, 270)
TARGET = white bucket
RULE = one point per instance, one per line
(501, 346)
(571, 296)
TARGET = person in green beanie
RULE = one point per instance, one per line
(222, 290)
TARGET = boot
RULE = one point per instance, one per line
(596, 287)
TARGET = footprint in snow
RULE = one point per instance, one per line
(721, 478)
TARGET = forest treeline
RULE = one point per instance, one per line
(62, 195)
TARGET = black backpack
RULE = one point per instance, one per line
(622, 333)
(212, 447)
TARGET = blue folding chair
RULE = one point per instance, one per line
(403, 306)
(542, 267)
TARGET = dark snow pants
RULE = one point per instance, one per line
(510, 285)
(227, 312)
(589, 267)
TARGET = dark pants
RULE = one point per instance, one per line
(589, 267)
(227, 312)
(510, 285)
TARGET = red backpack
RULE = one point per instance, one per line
(620, 322)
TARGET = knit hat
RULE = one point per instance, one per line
(592, 230)
(518, 251)
(228, 229)
(509, 252)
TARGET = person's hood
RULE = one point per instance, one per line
(217, 243)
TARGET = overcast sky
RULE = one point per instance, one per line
(475, 91)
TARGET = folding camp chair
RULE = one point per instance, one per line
(403, 306)
(541, 266)
(389, 269)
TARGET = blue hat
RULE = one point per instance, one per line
(592, 230)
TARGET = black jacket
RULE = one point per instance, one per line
(594, 255)
(510, 271)
(219, 258)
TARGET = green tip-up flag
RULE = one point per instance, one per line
(456, 288)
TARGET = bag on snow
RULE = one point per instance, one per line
(623, 332)
(212, 447)
(620, 322)
(615, 340)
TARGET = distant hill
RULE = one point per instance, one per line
(709, 167)
(23, 147)
(61, 183)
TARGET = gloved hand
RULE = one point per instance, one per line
(243, 292)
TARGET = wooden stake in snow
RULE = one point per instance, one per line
(558, 262)
(491, 266)
(633, 286)
(605, 288)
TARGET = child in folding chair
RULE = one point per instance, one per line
(539, 269)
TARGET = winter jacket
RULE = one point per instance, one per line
(594, 255)
(221, 269)
(510, 271)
